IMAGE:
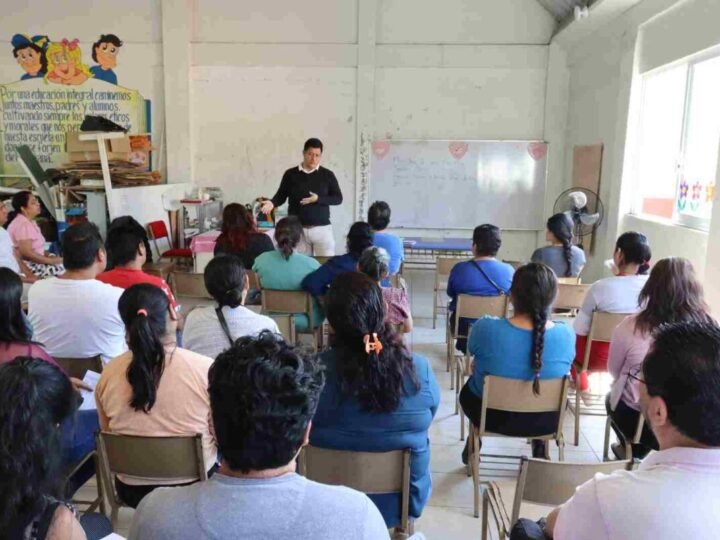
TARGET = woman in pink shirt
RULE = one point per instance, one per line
(28, 239)
(671, 294)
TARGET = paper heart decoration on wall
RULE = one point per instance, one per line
(537, 150)
(380, 148)
(458, 149)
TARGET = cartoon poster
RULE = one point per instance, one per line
(57, 84)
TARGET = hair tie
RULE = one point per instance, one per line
(142, 312)
(374, 345)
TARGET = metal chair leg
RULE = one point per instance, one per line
(606, 444)
(577, 414)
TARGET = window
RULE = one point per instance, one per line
(679, 135)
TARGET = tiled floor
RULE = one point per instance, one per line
(449, 511)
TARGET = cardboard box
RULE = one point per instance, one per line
(117, 149)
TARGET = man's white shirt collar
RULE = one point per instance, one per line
(302, 169)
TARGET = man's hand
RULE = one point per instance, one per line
(312, 199)
(267, 207)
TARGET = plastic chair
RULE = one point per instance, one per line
(628, 441)
(601, 329)
(253, 279)
(513, 395)
(163, 459)
(291, 303)
(77, 367)
(443, 267)
(570, 280)
(540, 482)
(322, 259)
(157, 230)
(372, 473)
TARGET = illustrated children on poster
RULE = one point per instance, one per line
(30, 55)
(65, 64)
(104, 52)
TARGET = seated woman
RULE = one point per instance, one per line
(484, 275)
(39, 398)
(527, 346)
(284, 269)
(240, 236)
(209, 330)
(379, 219)
(156, 388)
(565, 259)
(671, 294)
(359, 238)
(9, 255)
(377, 396)
(374, 263)
(617, 294)
(28, 239)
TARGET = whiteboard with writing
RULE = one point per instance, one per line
(460, 184)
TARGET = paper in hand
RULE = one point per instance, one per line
(91, 378)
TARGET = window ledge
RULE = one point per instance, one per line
(664, 222)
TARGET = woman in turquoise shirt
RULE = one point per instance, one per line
(528, 346)
(377, 397)
(284, 269)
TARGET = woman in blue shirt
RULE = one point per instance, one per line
(377, 396)
(528, 346)
(379, 219)
(359, 237)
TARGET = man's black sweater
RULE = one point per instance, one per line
(297, 185)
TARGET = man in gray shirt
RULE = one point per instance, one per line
(263, 395)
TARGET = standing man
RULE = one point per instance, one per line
(311, 190)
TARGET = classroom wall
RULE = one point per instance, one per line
(603, 72)
(349, 71)
(136, 22)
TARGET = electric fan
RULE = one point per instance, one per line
(584, 208)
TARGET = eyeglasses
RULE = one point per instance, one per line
(636, 374)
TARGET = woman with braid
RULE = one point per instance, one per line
(565, 259)
(528, 346)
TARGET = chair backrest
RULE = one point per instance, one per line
(474, 307)
(514, 264)
(77, 367)
(570, 295)
(286, 325)
(444, 265)
(165, 458)
(368, 472)
(514, 395)
(276, 301)
(253, 279)
(157, 230)
(552, 482)
(322, 259)
(604, 324)
(577, 280)
(190, 284)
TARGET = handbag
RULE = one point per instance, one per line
(501, 292)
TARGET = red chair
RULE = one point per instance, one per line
(157, 230)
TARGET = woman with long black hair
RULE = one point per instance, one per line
(37, 398)
(377, 397)
(565, 259)
(156, 388)
(528, 346)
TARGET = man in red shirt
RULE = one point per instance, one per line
(126, 256)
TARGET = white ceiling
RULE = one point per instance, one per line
(562, 9)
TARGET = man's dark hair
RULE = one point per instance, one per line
(313, 143)
(122, 245)
(683, 368)
(263, 394)
(379, 215)
(80, 244)
(129, 224)
(359, 238)
(105, 38)
(487, 240)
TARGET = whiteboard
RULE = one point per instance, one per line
(460, 184)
